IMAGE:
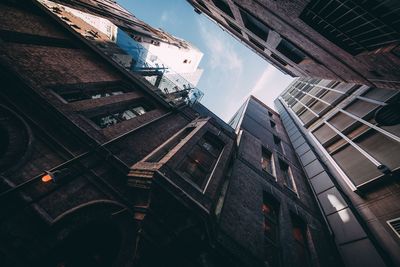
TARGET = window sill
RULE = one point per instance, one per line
(292, 191)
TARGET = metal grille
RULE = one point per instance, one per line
(395, 225)
(355, 25)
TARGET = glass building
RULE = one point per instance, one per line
(347, 137)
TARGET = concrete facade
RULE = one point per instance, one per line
(286, 34)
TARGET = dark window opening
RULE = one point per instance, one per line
(355, 26)
(4, 140)
(254, 25)
(299, 232)
(270, 113)
(224, 7)
(273, 124)
(270, 210)
(278, 143)
(113, 117)
(279, 60)
(256, 43)
(164, 150)
(203, 5)
(290, 51)
(200, 161)
(234, 27)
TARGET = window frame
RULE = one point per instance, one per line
(287, 175)
(271, 160)
(391, 226)
(288, 49)
(273, 204)
(110, 110)
(248, 23)
(89, 89)
(301, 224)
(208, 173)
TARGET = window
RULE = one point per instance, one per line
(279, 60)
(79, 95)
(290, 51)
(278, 144)
(113, 117)
(359, 168)
(395, 225)
(201, 3)
(270, 210)
(171, 144)
(234, 27)
(224, 7)
(4, 140)
(363, 153)
(355, 26)
(302, 252)
(200, 161)
(254, 25)
(273, 125)
(77, 92)
(257, 44)
(287, 175)
(270, 114)
(267, 162)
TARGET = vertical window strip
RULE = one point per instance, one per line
(288, 176)
(270, 210)
(267, 162)
(299, 231)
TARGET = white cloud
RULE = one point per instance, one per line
(270, 84)
(222, 53)
(164, 16)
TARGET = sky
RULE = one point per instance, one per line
(232, 72)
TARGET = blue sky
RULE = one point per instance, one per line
(231, 70)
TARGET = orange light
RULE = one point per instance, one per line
(46, 178)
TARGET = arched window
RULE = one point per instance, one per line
(14, 139)
(96, 244)
(270, 210)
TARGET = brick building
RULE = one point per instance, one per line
(348, 141)
(98, 168)
(349, 41)
(278, 211)
(93, 162)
